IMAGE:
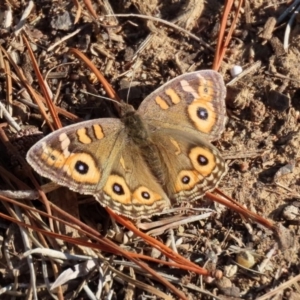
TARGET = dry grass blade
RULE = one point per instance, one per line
(106, 244)
(4, 65)
(180, 29)
(167, 251)
(78, 12)
(141, 285)
(281, 288)
(222, 45)
(110, 91)
(175, 224)
(50, 105)
(28, 87)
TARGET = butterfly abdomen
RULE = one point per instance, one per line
(155, 162)
(138, 133)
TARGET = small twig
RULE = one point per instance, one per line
(288, 28)
(187, 220)
(278, 75)
(46, 278)
(55, 254)
(172, 239)
(262, 265)
(7, 18)
(9, 89)
(58, 66)
(89, 293)
(287, 189)
(26, 244)
(5, 247)
(280, 288)
(66, 38)
(166, 23)
(142, 285)
(242, 154)
(170, 278)
(78, 11)
(24, 17)
(254, 67)
(26, 84)
(28, 195)
(9, 118)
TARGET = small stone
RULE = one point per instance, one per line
(62, 22)
(291, 212)
(226, 286)
(278, 101)
(245, 259)
(180, 229)
(244, 167)
(155, 253)
(236, 70)
(230, 270)
(267, 32)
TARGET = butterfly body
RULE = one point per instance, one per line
(140, 164)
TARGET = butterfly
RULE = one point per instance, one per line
(150, 158)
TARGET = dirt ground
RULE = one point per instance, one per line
(260, 142)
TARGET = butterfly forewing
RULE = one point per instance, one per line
(192, 102)
(79, 156)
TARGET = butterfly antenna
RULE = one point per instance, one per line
(98, 96)
(132, 77)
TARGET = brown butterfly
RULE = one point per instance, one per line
(139, 164)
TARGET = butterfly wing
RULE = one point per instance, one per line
(79, 156)
(131, 189)
(184, 115)
(191, 165)
(96, 157)
(192, 102)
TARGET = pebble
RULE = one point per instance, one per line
(236, 70)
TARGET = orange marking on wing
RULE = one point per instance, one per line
(138, 198)
(172, 94)
(92, 175)
(203, 125)
(204, 170)
(178, 151)
(69, 164)
(162, 103)
(83, 136)
(124, 196)
(98, 131)
(206, 89)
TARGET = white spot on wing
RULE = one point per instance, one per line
(188, 88)
(64, 143)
